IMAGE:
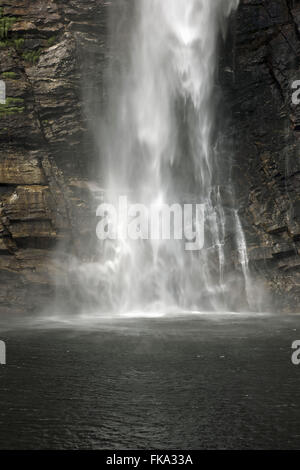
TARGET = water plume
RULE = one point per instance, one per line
(158, 145)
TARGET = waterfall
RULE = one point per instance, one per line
(159, 145)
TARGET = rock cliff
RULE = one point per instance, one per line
(267, 146)
(52, 59)
(47, 54)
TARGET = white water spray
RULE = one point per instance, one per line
(158, 146)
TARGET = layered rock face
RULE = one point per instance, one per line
(47, 54)
(267, 142)
(52, 59)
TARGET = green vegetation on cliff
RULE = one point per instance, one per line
(12, 106)
(6, 23)
(17, 42)
(9, 75)
(32, 56)
(51, 41)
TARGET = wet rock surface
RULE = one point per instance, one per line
(267, 142)
(46, 51)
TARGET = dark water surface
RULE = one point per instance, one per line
(206, 382)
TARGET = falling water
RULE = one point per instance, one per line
(159, 145)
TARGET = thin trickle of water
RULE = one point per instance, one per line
(244, 262)
(158, 146)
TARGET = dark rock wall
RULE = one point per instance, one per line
(48, 52)
(267, 142)
(52, 58)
